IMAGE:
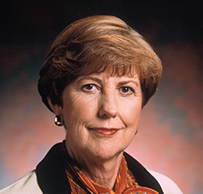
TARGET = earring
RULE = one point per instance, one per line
(58, 120)
(136, 131)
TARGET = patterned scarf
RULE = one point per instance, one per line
(80, 184)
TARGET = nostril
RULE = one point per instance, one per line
(104, 113)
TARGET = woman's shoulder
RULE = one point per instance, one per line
(24, 185)
(151, 179)
(168, 186)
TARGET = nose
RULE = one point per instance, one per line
(108, 107)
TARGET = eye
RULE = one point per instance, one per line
(126, 90)
(89, 88)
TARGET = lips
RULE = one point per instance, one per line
(105, 131)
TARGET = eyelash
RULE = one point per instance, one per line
(129, 90)
(90, 87)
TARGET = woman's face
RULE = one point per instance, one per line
(101, 114)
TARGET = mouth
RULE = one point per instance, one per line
(105, 131)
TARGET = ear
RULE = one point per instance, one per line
(55, 107)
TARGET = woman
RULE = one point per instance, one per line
(97, 77)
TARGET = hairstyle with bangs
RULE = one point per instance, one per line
(91, 45)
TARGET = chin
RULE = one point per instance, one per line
(107, 154)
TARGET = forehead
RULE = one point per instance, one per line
(107, 77)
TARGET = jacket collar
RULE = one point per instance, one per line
(51, 175)
(52, 178)
(142, 176)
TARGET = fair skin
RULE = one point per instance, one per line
(101, 115)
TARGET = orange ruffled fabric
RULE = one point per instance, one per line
(125, 183)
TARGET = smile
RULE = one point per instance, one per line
(105, 131)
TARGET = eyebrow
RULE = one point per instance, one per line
(90, 78)
(127, 82)
(100, 81)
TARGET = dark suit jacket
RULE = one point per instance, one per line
(52, 178)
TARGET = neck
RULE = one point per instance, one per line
(101, 171)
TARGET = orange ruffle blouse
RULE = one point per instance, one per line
(125, 182)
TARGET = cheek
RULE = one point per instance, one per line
(131, 114)
(78, 109)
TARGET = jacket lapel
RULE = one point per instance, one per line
(143, 177)
(51, 175)
(52, 178)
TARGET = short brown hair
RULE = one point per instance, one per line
(92, 44)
